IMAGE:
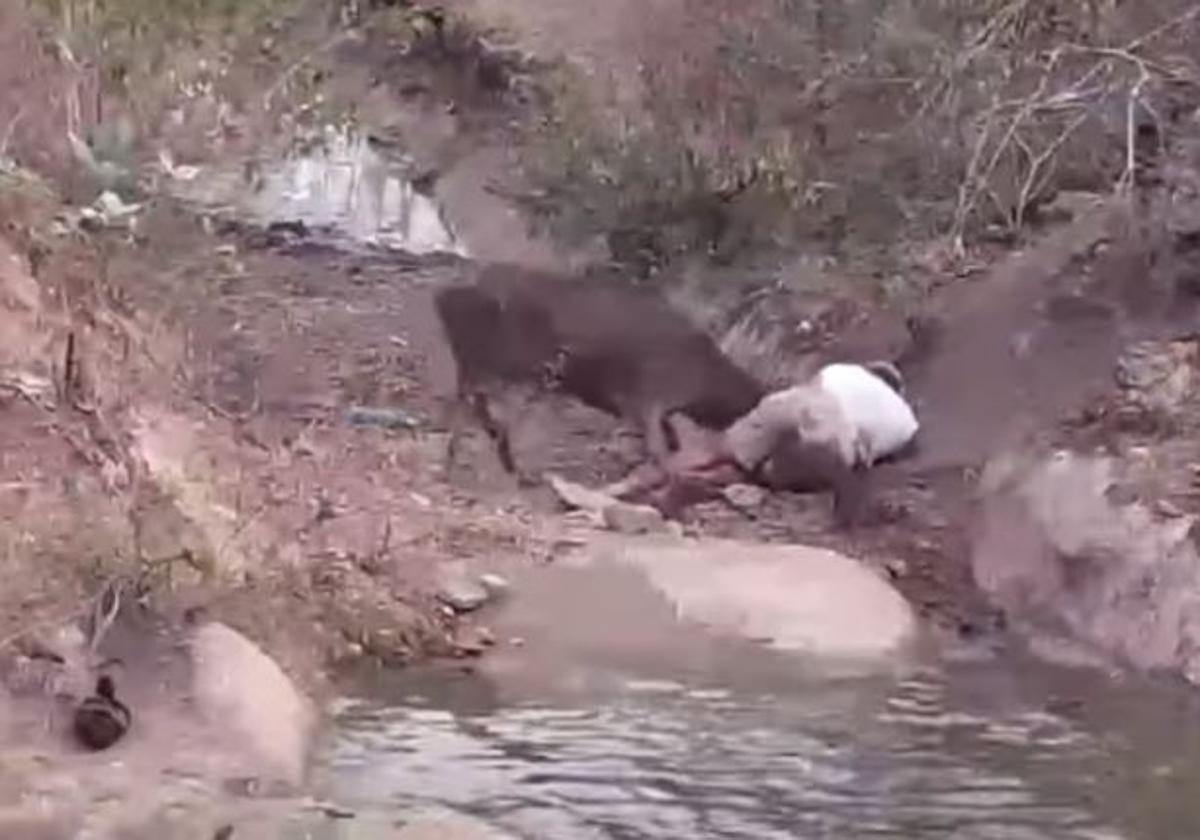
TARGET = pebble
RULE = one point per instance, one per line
(633, 519)
(494, 584)
(745, 496)
(460, 591)
(388, 418)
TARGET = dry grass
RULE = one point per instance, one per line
(846, 128)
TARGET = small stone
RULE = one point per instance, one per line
(896, 568)
(745, 496)
(460, 592)
(494, 584)
(387, 418)
(633, 519)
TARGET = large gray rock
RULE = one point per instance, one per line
(1063, 555)
(794, 597)
(245, 696)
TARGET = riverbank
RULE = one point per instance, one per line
(208, 403)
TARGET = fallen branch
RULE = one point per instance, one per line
(1014, 126)
(1128, 179)
(1034, 183)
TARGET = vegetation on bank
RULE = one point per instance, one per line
(846, 127)
(834, 128)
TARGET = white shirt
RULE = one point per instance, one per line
(883, 419)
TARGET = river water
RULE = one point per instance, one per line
(693, 735)
(954, 752)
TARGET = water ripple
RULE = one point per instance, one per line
(675, 763)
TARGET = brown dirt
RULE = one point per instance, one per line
(301, 333)
(209, 421)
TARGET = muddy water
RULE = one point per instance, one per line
(692, 735)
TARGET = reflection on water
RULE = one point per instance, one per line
(341, 185)
(665, 761)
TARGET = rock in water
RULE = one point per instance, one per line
(244, 694)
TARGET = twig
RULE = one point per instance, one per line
(1030, 187)
(1179, 19)
(966, 197)
(295, 66)
(1128, 179)
(90, 605)
(102, 619)
(10, 128)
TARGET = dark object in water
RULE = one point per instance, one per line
(101, 720)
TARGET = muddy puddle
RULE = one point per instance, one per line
(579, 734)
(337, 184)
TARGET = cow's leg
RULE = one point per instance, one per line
(496, 430)
(455, 419)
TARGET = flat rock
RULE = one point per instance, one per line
(245, 695)
(794, 597)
